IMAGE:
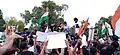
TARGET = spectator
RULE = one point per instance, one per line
(23, 49)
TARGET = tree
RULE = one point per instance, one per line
(26, 16)
(55, 11)
(20, 26)
(12, 21)
(82, 22)
(2, 22)
(1, 14)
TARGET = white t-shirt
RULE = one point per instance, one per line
(84, 42)
(76, 28)
(66, 29)
(31, 49)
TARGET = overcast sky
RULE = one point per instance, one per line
(94, 9)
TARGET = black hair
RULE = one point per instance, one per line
(53, 52)
(65, 22)
(93, 50)
(110, 49)
(115, 44)
(66, 52)
(85, 51)
(103, 51)
(31, 42)
(51, 27)
(38, 49)
(55, 28)
(76, 20)
(23, 45)
(25, 29)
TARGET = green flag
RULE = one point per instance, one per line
(103, 31)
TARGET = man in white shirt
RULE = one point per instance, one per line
(76, 28)
(84, 42)
(77, 25)
(66, 29)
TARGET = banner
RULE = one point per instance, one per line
(56, 41)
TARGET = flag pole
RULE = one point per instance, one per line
(48, 14)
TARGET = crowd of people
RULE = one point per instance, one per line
(19, 44)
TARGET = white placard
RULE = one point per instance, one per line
(41, 36)
(52, 33)
(56, 41)
(0, 34)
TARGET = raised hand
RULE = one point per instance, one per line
(43, 49)
(8, 45)
(67, 43)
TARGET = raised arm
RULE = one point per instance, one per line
(74, 49)
(43, 49)
(35, 37)
(8, 46)
(69, 49)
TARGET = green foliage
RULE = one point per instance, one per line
(12, 21)
(82, 22)
(1, 15)
(2, 22)
(20, 26)
(27, 16)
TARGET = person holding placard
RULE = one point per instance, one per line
(66, 29)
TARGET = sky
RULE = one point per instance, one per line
(82, 9)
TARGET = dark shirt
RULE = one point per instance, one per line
(26, 53)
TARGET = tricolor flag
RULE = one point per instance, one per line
(115, 22)
(44, 17)
(103, 31)
(83, 27)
